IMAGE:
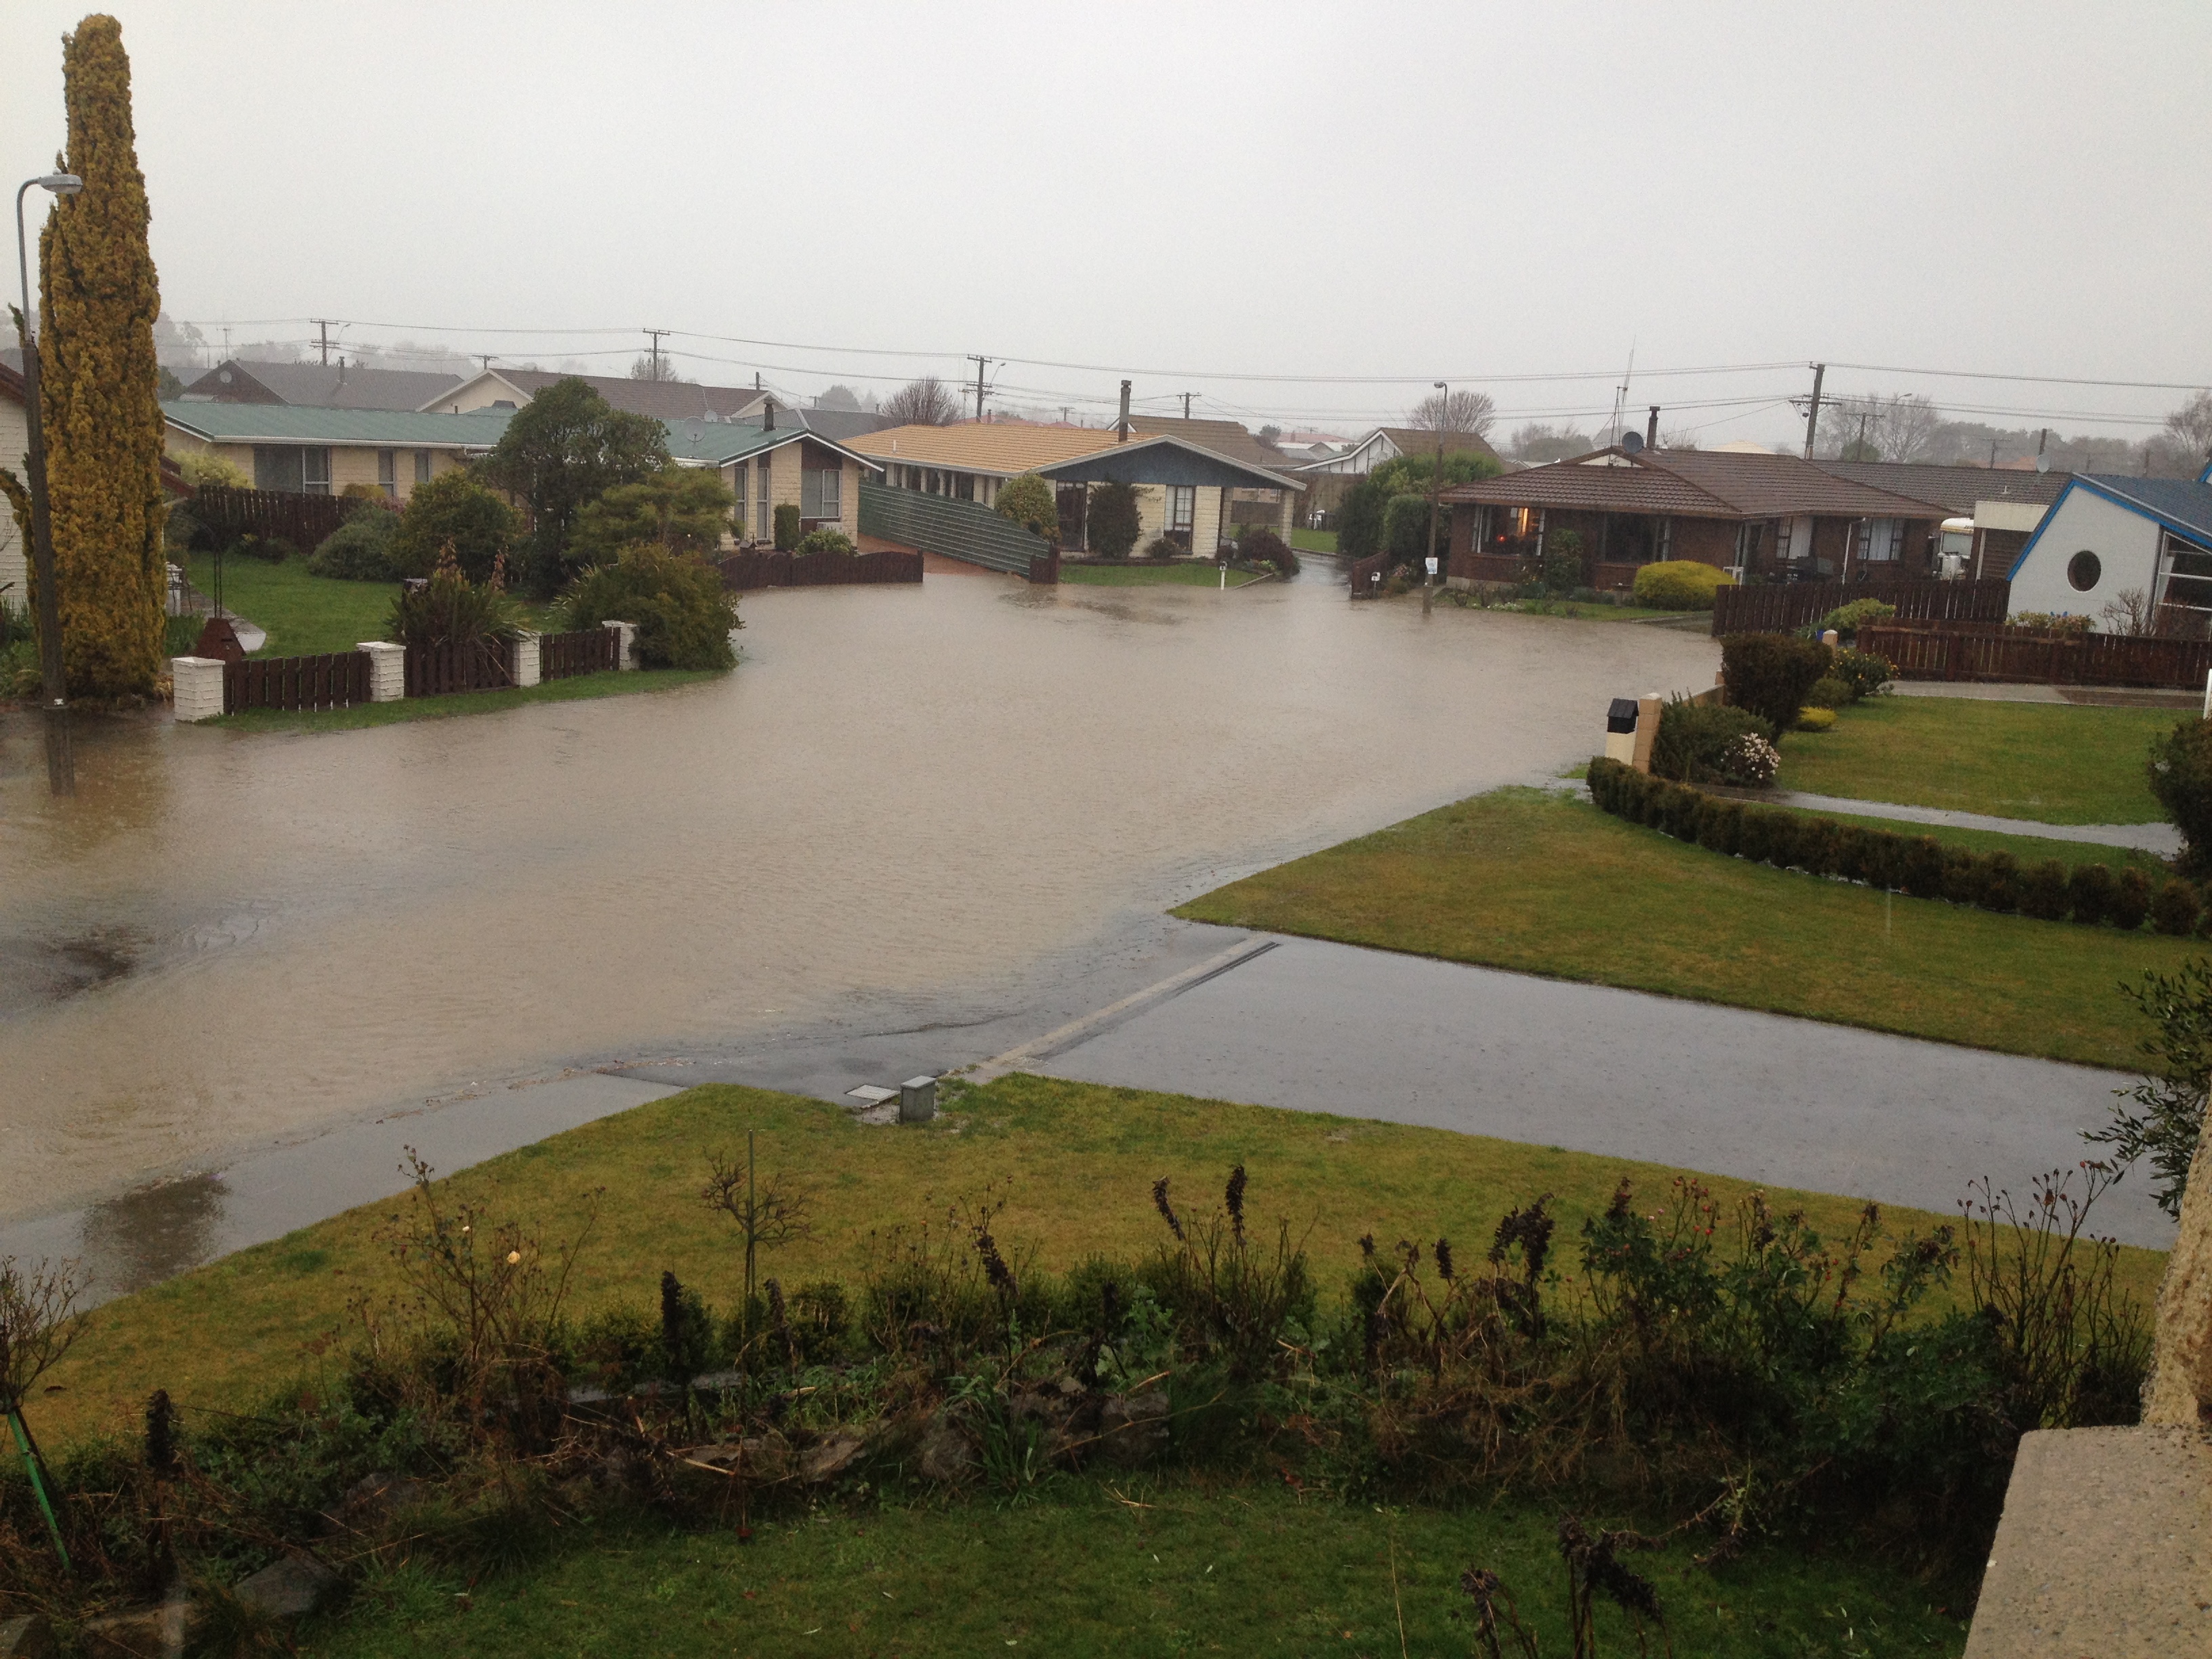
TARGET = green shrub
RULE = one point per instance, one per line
(360, 549)
(1864, 672)
(1562, 571)
(2131, 901)
(1848, 619)
(787, 527)
(1692, 739)
(1850, 852)
(682, 612)
(1782, 837)
(450, 610)
(451, 510)
(2175, 910)
(1406, 529)
(269, 549)
(1030, 501)
(2089, 893)
(1962, 877)
(1259, 545)
(1816, 846)
(2001, 884)
(1112, 523)
(1768, 674)
(1679, 584)
(1920, 867)
(1830, 693)
(826, 541)
(1814, 719)
(1160, 548)
(1720, 825)
(2181, 779)
(2043, 892)
(687, 509)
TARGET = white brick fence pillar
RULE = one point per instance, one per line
(199, 682)
(526, 658)
(387, 670)
(626, 643)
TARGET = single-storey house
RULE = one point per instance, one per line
(319, 452)
(1763, 516)
(318, 385)
(1328, 477)
(665, 400)
(2106, 536)
(2005, 504)
(776, 465)
(973, 460)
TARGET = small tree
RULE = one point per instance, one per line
(565, 448)
(1470, 412)
(2168, 1119)
(1031, 502)
(1359, 519)
(685, 508)
(450, 610)
(2190, 426)
(1406, 529)
(767, 1217)
(1114, 524)
(2181, 779)
(452, 510)
(787, 527)
(925, 402)
(39, 1322)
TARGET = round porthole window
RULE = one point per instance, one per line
(2083, 569)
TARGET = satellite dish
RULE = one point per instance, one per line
(1632, 442)
(2043, 464)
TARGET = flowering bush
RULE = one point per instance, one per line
(1750, 759)
(2050, 621)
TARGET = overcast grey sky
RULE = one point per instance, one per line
(1458, 191)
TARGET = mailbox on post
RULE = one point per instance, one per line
(1620, 730)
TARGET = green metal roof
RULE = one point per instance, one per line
(295, 423)
(719, 443)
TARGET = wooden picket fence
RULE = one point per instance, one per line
(2034, 657)
(436, 671)
(769, 569)
(1785, 607)
(337, 680)
(588, 651)
(302, 520)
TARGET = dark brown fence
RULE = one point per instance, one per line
(337, 681)
(1363, 575)
(2032, 656)
(745, 570)
(589, 651)
(433, 671)
(302, 520)
(1788, 606)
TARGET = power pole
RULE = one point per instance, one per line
(1813, 413)
(1186, 397)
(324, 323)
(656, 333)
(980, 364)
(1435, 493)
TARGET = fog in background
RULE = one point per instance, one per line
(1182, 194)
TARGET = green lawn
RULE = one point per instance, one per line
(1313, 541)
(306, 616)
(1132, 1567)
(1152, 575)
(1078, 1160)
(611, 683)
(2058, 763)
(1572, 609)
(1546, 884)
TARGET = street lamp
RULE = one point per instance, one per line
(61, 761)
(1436, 490)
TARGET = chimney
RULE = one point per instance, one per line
(767, 416)
(1651, 429)
(1121, 427)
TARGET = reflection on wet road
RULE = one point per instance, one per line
(908, 805)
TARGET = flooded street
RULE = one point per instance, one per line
(905, 799)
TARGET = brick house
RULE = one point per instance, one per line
(1764, 517)
(1328, 479)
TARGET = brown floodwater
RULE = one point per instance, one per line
(229, 939)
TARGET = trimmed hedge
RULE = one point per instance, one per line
(1918, 866)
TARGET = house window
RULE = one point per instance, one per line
(1183, 505)
(387, 472)
(764, 513)
(820, 493)
(298, 469)
(963, 487)
(421, 466)
(2188, 575)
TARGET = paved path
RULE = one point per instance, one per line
(2162, 839)
(1322, 1027)
(2102, 696)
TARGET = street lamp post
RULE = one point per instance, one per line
(60, 760)
(1436, 490)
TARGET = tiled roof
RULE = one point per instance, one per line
(1694, 483)
(1001, 449)
(2183, 502)
(328, 386)
(666, 400)
(1422, 441)
(1231, 437)
(290, 424)
(1955, 488)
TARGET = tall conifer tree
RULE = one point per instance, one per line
(98, 298)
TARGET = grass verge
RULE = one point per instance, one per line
(1130, 1568)
(1543, 883)
(2057, 763)
(1580, 611)
(1152, 575)
(1077, 1162)
(1313, 541)
(576, 688)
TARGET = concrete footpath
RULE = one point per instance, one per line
(2161, 839)
(1789, 1102)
